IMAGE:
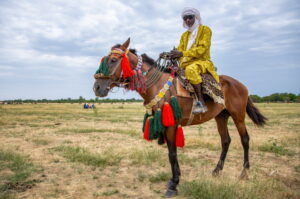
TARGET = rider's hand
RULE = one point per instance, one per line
(175, 54)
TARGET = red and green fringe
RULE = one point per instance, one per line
(154, 127)
(167, 115)
(144, 121)
(176, 108)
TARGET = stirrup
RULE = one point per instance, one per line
(199, 107)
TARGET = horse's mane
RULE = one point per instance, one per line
(145, 57)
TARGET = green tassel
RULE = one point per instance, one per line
(152, 131)
(158, 126)
(176, 108)
(144, 122)
(103, 68)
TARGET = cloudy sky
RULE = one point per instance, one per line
(51, 49)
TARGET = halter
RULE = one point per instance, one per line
(120, 82)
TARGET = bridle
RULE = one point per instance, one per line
(119, 82)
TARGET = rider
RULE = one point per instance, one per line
(194, 53)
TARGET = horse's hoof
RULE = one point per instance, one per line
(170, 193)
(244, 175)
(171, 185)
(216, 172)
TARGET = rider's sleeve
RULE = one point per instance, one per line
(202, 45)
(181, 44)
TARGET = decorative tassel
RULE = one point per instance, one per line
(158, 126)
(176, 108)
(146, 130)
(126, 69)
(133, 81)
(167, 115)
(152, 135)
(103, 68)
(144, 121)
(179, 137)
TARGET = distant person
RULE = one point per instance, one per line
(85, 106)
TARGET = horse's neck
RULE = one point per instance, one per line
(152, 91)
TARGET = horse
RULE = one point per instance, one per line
(236, 99)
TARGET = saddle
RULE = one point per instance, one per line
(209, 87)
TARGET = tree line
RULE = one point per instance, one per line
(276, 97)
(69, 100)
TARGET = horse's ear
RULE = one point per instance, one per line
(126, 44)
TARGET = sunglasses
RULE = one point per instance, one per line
(188, 17)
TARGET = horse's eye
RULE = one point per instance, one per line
(114, 60)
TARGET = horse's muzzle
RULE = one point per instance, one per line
(100, 90)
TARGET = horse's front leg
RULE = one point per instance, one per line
(171, 142)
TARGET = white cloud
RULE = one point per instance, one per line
(61, 36)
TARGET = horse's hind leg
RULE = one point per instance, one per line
(241, 127)
(222, 120)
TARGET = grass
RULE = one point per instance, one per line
(147, 157)
(208, 190)
(100, 153)
(18, 169)
(82, 155)
(160, 177)
(110, 192)
(40, 142)
(222, 189)
(277, 149)
(130, 132)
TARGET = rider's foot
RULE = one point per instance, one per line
(199, 108)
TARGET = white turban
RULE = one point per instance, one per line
(191, 11)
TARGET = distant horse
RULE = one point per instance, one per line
(237, 104)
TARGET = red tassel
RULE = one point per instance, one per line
(147, 130)
(167, 115)
(126, 69)
(179, 137)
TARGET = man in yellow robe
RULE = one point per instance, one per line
(194, 53)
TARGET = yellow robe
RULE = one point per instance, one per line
(196, 60)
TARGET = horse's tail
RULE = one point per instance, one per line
(255, 114)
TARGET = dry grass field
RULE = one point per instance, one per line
(65, 151)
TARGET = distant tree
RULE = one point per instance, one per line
(81, 99)
(255, 98)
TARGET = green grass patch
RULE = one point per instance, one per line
(86, 130)
(297, 168)
(130, 132)
(206, 189)
(147, 157)
(160, 177)
(198, 143)
(18, 169)
(110, 192)
(274, 147)
(40, 142)
(82, 155)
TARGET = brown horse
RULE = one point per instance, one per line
(236, 98)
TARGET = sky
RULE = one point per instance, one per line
(51, 49)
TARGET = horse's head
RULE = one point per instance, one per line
(109, 73)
